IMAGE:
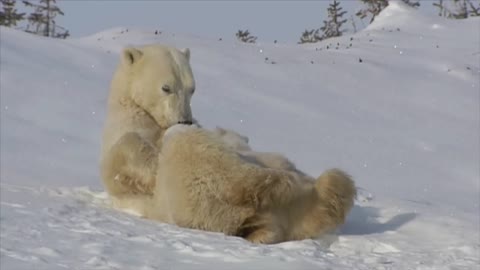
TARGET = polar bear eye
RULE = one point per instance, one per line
(166, 89)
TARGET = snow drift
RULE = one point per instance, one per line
(396, 105)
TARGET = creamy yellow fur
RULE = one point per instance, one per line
(138, 113)
(209, 180)
(239, 143)
(203, 183)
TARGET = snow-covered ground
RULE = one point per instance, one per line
(396, 105)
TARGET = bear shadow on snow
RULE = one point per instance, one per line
(362, 220)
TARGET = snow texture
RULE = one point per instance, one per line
(396, 105)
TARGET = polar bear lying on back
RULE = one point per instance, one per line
(203, 183)
(195, 178)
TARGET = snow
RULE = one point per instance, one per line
(404, 121)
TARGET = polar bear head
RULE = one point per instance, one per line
(160, 81)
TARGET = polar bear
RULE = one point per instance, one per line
(150, 91)
(201, 179)
(239, 143)
(203, 183)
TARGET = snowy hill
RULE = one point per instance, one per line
(396, 105)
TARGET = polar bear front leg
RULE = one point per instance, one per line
(130, 166)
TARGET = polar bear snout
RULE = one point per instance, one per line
(185, 122)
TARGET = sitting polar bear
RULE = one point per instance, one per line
(195, 178)
(150, 91)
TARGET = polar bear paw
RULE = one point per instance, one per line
(177, 129)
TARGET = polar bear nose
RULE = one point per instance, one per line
(185, 122)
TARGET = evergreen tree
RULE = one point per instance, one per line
(8, 15)
(460, 9)
(332, 27)
(442, 11)
(457, 9)
(42, 20)
(474, 10)
(372, 7)
(245, 36)
(311, 36)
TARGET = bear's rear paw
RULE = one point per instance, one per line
(264, 235)
(129, 185)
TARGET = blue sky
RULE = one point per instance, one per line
(269, 20)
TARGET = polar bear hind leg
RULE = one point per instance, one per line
(130, 166)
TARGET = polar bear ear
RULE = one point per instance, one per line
(131, 55)
(186, 52)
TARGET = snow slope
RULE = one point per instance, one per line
(398, 109)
